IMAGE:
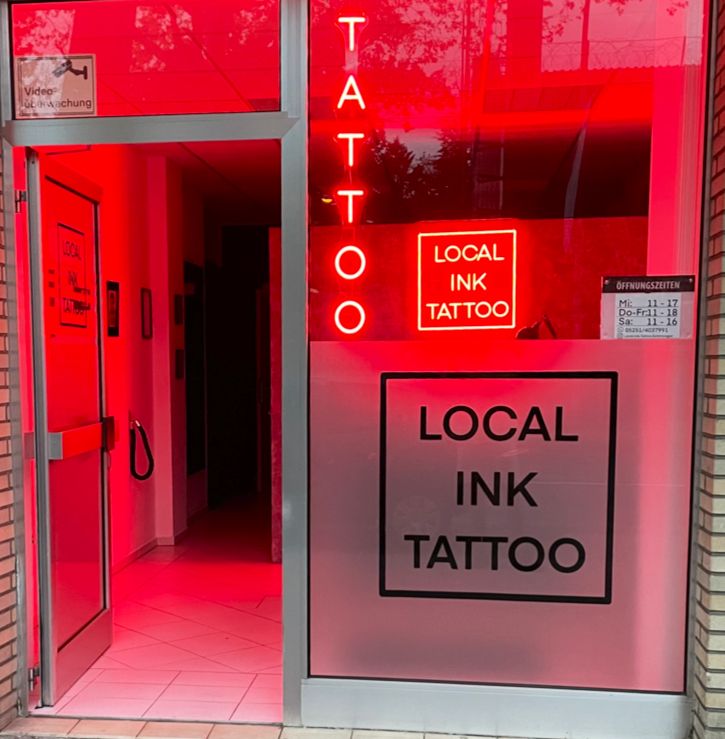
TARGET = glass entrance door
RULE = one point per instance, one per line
(70, 456)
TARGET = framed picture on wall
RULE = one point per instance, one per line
(112, 308)
(147, 322)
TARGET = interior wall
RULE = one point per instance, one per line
(148, 222)
(194, 251)
(169, 402)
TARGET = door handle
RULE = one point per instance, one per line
(72, 442)
(136, 427)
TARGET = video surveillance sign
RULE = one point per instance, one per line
(498, 485)
(55, 86)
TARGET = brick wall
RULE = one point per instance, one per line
(708, 680)
(8, 595)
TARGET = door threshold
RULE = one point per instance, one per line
(93, 728)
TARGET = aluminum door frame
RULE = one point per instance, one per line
(49, 649)
(289, 126)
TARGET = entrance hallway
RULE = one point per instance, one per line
(197, 630)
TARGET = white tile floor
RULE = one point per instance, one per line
(197, 634)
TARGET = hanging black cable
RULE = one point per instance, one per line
(137, 427)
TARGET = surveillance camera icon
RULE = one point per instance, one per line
(67, 66)
(63, 68)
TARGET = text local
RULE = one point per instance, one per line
(498, 423)
(350, 316)
(467, 253)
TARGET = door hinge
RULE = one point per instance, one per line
(21, 196)
(33, 676)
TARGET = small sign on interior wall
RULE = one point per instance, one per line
(112, 308)
(648, 307)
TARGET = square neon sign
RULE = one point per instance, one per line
(466, 280)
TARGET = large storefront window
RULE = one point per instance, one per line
(503, 267)
(120, 57)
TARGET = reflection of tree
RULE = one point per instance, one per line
(249, 19)
(44, 33)
(558, 14)
(164, 27)
(453, 179)
(431, 48)
(159, 28)
(462, 178)
(619, 5)
(405, 187)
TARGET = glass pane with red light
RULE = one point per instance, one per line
(477, 170)
(117, 57)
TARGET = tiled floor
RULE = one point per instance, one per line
(90, 729)
(197, 632)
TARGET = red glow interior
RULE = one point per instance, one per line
(554, 119)
(162, 207)
(550, 275)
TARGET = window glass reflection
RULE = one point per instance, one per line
(575, 122)
(159, 58)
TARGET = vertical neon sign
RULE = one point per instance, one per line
(349, 315)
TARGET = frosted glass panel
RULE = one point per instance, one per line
(541, 627)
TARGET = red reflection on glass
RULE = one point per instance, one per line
(462, 100)
(162, 58)
(551, 278)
